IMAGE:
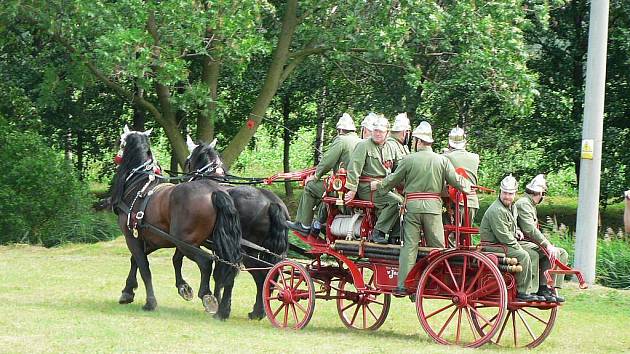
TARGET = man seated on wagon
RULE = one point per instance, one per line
(367, 125)
(372, 160)
(499, 226)
(460, 158)
(424, 174)
(337, 154)
(399, 137)
(528, 224)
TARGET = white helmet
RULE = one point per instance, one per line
(457, 138)
(538, 184)
(401, 123)
(381, 123)
(345, 122)
(509, 184)
(423, 132)
(368, 121)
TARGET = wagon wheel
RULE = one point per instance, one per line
(523, 327)
(451, 289)
(289, 295)
(359, 309)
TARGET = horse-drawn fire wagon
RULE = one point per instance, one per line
(463, 294)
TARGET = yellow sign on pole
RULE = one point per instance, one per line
(587, 149)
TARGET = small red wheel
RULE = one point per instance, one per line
(360, 309)
(525, 327)
(289, 295)
(450, 291)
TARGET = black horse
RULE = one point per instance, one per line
(182, 216)
(263, 217)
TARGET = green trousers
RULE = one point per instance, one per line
(524, 256)
(433, 231)
(310, 199)
(387, 209)
(538, 278)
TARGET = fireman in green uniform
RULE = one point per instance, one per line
(528, 224)
(337, 154)
(373, 159)
(460, 158)
(367, 125)
(399, 137)
(499, 226)
(424, 174)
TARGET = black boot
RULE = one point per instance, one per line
(526, 297)
(545, 292)
(378, 237)
(297, 226)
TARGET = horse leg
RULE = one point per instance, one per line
(142, 261)
(131, 284)
(258, 311)
(225, 305)
(183, 288)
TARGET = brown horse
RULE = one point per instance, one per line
(182, 216)
(263, 218)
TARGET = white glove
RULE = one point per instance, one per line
(553, 251)
(519, 235)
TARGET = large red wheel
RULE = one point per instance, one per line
(451, 290)
(289, 295)
(360, 309)
(525, 327)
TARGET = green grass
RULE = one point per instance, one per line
(65, 300)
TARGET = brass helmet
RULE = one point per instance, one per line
(346, 123)
(401, 123)
(538, 184)
(509, 184)
(457, 138)
(368, 121)
(381, 123)
(423, 132)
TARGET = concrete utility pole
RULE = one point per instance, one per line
(591, 159)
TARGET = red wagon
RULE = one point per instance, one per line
(463, 295)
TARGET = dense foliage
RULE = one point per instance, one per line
(41, 199)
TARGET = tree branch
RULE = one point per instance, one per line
(121, 91)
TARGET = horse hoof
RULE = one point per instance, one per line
(210, 304)
(219, 317)
(126, 298)
(186, 292)
(150, 305)
(256, 316)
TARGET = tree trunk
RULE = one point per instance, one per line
(270, 86)
(139, 118)
(207, 118)
(68, 147)
(319, 134)
(286, 138)
(80, 154)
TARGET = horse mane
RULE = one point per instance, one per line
(137, 151)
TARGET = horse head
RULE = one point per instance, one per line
(134, 154)
(204, 159)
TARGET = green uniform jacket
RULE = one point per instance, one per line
(470, 163)
(528, 220)
(338, 153)
(425, 171)
(369, 159)
(399, 150)
(499, 225)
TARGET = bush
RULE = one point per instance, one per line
(41, 199)
(613, 254)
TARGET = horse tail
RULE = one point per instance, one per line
(226, 236)
(278, 239)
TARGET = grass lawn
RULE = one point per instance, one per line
(65, 300)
